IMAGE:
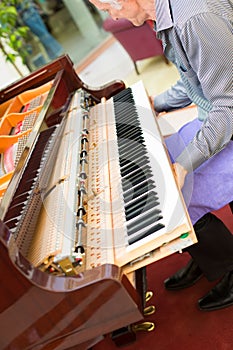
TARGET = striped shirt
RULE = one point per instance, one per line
(197, 36)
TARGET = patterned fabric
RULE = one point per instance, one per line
(197, 36)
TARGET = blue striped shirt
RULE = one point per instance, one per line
(197, 36)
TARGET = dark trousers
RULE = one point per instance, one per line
(214, 250)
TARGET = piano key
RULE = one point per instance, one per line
(141, 208)
(141, 202)
(131, 130)
(143, 220)
(132, 152)
(123, 95)
(124, 105)
(123, 128)
(135, 180)
(145, 234)
(131, 166)
(144, 168)
(138, 190)
(141, 172)
(125, 112)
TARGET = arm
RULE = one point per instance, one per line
(211, 59)
(174, 98)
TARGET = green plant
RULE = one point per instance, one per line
(12, 33)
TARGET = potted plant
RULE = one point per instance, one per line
(12, 33)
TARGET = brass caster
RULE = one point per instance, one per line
(149, 295)
(149, 310)
(144, 326)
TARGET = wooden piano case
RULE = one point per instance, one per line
(39, 310)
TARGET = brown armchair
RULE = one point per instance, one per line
(139, 42)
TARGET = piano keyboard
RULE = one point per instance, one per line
(141, 201)
(138, 203)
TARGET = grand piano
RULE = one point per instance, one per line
(88, 200)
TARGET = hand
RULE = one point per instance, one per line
(180, 174)
(151, 99)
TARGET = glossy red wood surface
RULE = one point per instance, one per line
(41, 311)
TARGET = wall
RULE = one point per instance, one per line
(8, 73)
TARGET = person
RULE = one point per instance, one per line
(30, 16)
(197, 38)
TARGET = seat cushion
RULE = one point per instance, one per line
(113, 26)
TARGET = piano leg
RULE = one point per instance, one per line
(127, 335)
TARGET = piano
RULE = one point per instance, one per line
(88, 200)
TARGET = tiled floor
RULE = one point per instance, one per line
(115, 63)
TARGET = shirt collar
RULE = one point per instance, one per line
(163, 15)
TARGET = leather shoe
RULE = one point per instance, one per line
(185, 277)
(220, 296)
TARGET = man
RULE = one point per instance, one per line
(197, 37)
(30, 16)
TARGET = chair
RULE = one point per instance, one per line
(139, 42)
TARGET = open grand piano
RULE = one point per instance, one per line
(88, 199)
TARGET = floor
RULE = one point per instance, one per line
(115, 63)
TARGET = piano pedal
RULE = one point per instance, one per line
(127, 335)
(149, 295)
(149, 310)
(144, 326)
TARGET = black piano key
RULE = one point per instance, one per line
(123, 129)
(135, 180)
(124, 94)
(126, 112)
(143, 169)
(144, 220)
(129, 141)
(132, 166)
(140, 160)
(137, 139)
(141, 174)
(137, 211)
(132, 151)
(145, 234)
(133, 134)
(141, 204)
(138, 190)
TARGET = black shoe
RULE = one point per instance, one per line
(185, 277)
(220, 296)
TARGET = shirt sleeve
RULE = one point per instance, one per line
(208, 45)
(173, 98)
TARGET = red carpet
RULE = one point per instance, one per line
(179, 323)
